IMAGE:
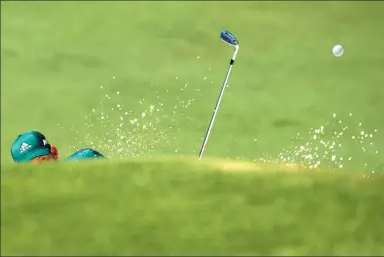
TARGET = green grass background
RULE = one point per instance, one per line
(55, 56)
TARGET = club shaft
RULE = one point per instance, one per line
(217, 104)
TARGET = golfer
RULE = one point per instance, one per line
(33, 147)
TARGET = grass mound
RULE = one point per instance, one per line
(174, 206)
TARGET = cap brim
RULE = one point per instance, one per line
(37, 153)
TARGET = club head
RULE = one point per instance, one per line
(227, 37)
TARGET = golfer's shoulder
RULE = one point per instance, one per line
(86, 153)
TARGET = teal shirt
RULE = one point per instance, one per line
(84, 154)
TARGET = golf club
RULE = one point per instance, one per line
(227, 37)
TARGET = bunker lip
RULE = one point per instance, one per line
(230, 165)
(244, 166)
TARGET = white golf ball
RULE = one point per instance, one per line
(338, 50)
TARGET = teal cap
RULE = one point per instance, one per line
(28, 146)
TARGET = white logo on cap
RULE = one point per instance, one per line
(45, 141)
(24, 147)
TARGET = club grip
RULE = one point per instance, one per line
(228, 37)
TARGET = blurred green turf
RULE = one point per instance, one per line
(57, 55)
(174, 207)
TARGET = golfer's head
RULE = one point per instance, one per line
(32, 146)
